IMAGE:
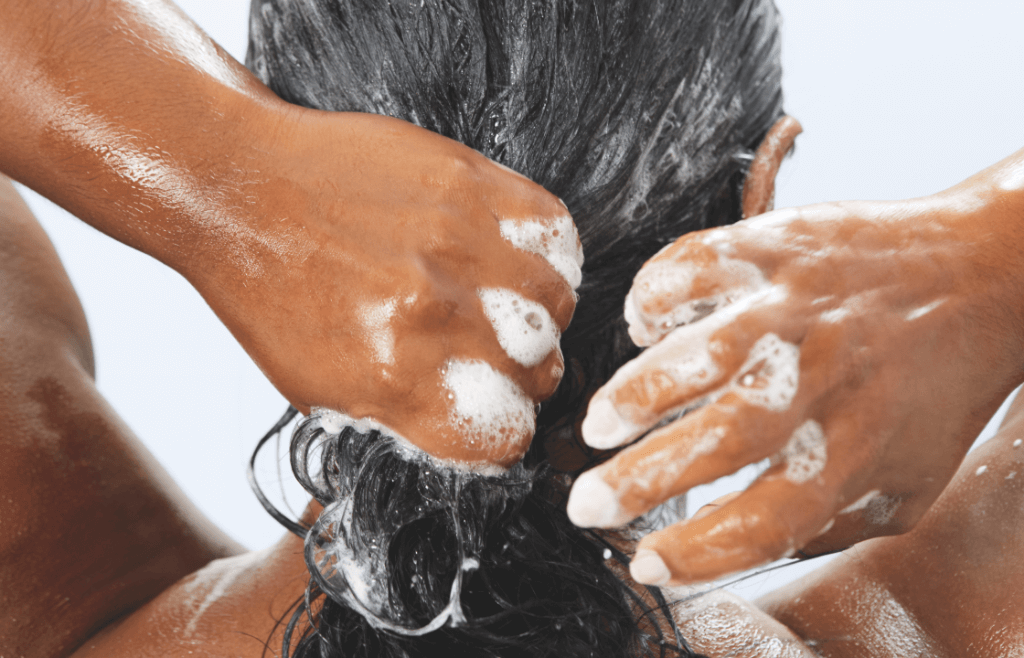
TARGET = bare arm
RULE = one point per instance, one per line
(950, 587)
(90, 526)
(861, 345)
(309, 234)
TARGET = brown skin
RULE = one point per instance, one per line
(130, 549)
(908, 320)
(207, 171)
(296, 226)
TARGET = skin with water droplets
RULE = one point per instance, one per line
(351, 285)
(858, 416)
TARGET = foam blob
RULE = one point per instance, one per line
(488, 407)
(805, 454)
(662, 281)
(524, 328)
(556, 242)
(771, 374)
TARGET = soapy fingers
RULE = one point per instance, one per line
(731, 351)
(687, 281)
(703, 446)
(861, 345)
(776, 515)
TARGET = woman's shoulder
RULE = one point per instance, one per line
(231, 607)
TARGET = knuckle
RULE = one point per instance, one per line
(651, 389)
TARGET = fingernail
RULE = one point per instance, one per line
(604, 428)
(648, 568)
(593, 504)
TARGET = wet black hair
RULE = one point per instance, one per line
(642, 116)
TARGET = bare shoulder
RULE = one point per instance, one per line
(232, 607)
(91, 526)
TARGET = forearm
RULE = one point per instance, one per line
(130, 117)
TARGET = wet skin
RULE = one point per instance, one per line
(100, 538)
(214, 176)
(310, 234)
(895, 332)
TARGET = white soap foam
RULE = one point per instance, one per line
(924, 310)
(489, 408)
(693, 368)
(981, 469)
(806, 453)
(771, 374)
(382, 340)
(1016, 444)
(881, 510)
(333, 422)
(524, 328)
(555, 241)
(670, 463)
(835, 315)
(670, 279)
(357, 576)
(826, 528)
(213, 581)
(861, 502)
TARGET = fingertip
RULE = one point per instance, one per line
(635, 326)
(648, 568)
(593, 504)
(603, 428)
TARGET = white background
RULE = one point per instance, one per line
(897, 99)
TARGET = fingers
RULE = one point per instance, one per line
(696, 365)
(766, 522)
(874, 514)
(554, 239)
(686, 282)
(702, 447)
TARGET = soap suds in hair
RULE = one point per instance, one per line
(333, 422)
(806, 453)
(556, 242)
(355, 570)
(524, 328)
(488, 407)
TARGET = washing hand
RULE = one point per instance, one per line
(859, 348)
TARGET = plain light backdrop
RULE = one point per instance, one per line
(897, 99)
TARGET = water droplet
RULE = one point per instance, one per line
(607, 554)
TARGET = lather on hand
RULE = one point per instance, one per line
(861, 347)
(345, 252)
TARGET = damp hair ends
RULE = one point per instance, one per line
(530, 583)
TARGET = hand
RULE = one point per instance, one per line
(367, 266)
(860, 347)
(397, 276)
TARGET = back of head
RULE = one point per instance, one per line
(641, 115)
